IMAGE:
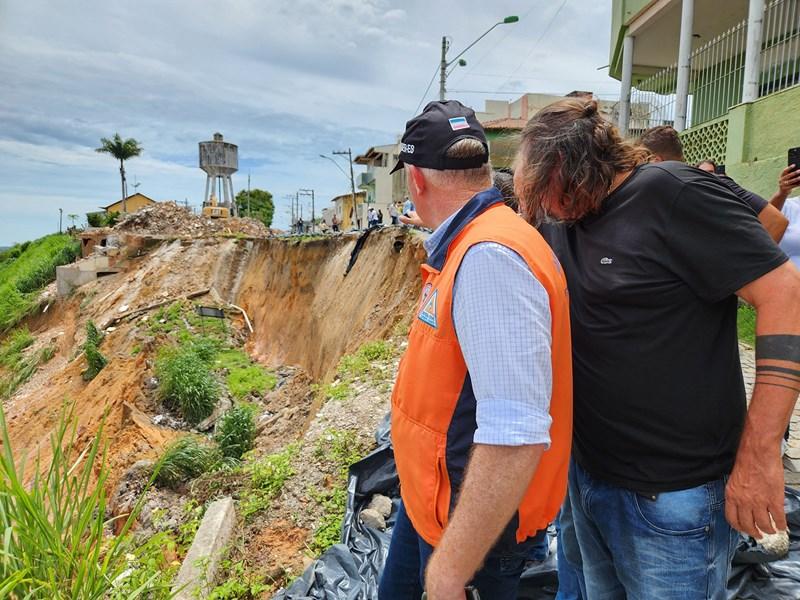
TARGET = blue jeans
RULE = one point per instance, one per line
(571, 585)
(676, 546)
(404, 572)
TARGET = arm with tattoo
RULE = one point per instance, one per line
(778, 361)
(754, 494)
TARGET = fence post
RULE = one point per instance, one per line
(752, 55)
(684, 65)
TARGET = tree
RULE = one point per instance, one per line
(122, 150)
(257, 204)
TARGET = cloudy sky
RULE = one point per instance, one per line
(285, 80)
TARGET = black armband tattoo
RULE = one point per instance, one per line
(778, 347)
(785, 373)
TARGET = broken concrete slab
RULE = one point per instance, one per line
(199, 569)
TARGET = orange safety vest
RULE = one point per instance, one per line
(433, 406)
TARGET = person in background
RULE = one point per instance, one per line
(393, 214)
(372, 218)
(667, 458)
(790, 208)
(408, 207)
(335, 223)
(664, 144)
(380, 217)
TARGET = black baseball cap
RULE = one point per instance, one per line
(429, 135)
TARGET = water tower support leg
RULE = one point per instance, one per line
(208, 182)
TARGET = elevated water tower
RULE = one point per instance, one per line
(219, 160)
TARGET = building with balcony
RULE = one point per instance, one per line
(725, 73)
(381, 186)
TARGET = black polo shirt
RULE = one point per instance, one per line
(659, 394)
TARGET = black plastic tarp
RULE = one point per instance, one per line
(351, 570)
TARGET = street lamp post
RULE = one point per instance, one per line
(349, 154)
(310, 192)
(445, 47)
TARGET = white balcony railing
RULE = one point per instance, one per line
(718, 71)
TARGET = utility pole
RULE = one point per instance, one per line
(309, 192)
(248, 194)
(443, 69)
(349, 154)
(60, 215)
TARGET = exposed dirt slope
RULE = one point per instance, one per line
(306, 312)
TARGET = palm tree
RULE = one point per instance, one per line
(122, 150)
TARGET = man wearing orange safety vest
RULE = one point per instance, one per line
(482, 406)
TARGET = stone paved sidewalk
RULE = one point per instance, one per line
(791, 460)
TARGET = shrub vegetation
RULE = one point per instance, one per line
(94, 359)
(236, 431)
(184, 460)
(186, 383)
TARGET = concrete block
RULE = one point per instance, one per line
(199, 569)
(68, 277)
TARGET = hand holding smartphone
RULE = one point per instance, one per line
(794, 158)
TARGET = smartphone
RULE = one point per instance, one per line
(719, 169)
(794, 157)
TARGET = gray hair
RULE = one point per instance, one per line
(480, 177)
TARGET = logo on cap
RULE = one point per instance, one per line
(457, 123)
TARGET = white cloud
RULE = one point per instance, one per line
(284, 80)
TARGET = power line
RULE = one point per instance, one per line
(427, 89)
(545, 31)
(494, 47)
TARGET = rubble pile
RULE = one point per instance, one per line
(170, 219)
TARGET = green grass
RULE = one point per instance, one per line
(342, 448)
(329, 529)
(363, 362)
(184, 460)
(27, 268)
(250, 380)
(240, 584)
(266, 480)
(236, 431)
(231, 359)
(746, 324)
(244, 377)
(338, 391)
(23, 370)
(12, 347)
(186, 383)
(55, 543)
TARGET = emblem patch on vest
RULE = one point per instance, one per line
(428, 313)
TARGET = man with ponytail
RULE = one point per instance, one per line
(664, 445)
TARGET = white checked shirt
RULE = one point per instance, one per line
(501, 314)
